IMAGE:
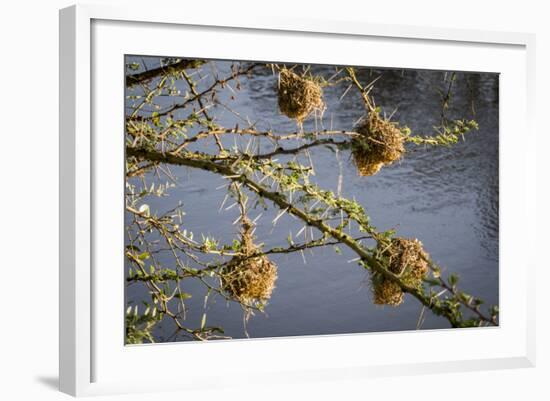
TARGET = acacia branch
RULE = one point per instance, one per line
(144, 76)
(199, 95)
(282, 203)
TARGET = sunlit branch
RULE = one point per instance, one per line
(200, 95)
(173, 68)
(281, 202)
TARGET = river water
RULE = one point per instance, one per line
(446, 197)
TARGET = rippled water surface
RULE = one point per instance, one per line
(446, 197)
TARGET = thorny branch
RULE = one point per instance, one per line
(156, 141)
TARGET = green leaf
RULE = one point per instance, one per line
(289, 239)
(431, 282)
(183, 295)
(156, 118)
(453, 279)
(236, 245)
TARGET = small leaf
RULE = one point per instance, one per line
(156, 118)
(453, 279)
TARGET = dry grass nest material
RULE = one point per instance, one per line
(249, 279)
(381, 142)
(298, 96)
(407, 259)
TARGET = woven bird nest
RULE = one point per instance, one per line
(298, 96)
(380, 143)
(249, 279)
(407, 259)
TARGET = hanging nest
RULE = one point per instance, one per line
(248, 279)
(386, 292)
(298, 96)
(381, 142)
(407, 259)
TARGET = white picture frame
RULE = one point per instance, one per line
(90, 363)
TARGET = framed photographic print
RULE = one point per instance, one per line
(304, 199)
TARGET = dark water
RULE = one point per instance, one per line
(446, 197)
